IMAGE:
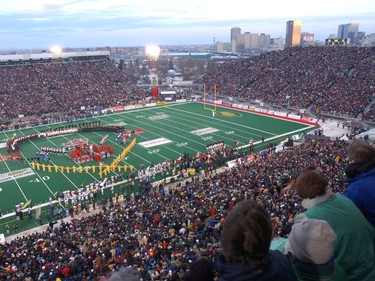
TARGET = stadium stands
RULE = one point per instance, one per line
(35, 89)
(330, 80)
(165, 232)
(162, 234)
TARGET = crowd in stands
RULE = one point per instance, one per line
(370, 114)
(34, 89)
(333, 80)
(162, 234)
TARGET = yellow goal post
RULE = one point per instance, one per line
(212, 106)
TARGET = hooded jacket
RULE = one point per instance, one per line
(279, 269)
(361, 189)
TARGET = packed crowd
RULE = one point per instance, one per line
(161, 235)
(162, 232)
(34, 89)
(304, 78)
(333, 80)
(370, 115)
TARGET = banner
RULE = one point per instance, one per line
(215, 145)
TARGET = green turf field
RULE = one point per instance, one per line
(169, 131)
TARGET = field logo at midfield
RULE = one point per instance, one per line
(76, 142)
(155, 142)
(204, 131)
(16, 174)
(228, 114)
(158, 117)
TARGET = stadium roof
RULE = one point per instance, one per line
(50, 55)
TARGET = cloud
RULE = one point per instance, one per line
(39, 21)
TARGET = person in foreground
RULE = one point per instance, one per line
(354, 247)
(245, 242)
(310, 246)
(361, 178)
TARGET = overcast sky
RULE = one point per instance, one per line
(97, 23)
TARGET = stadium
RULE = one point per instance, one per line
(99, 171)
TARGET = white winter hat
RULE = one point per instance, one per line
(311, 240)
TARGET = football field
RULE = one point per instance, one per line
(161, 133)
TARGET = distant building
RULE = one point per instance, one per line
(293, 33)
(307, 39)
(348, 31)
(248, 41)
(235, 32)
(369, 40)
(360, 37)
(336, 42)
(223, 47)
(277, 44)
(219, 46)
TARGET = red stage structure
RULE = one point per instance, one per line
(86, 153)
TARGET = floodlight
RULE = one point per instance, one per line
(55, 50)
(153, 51)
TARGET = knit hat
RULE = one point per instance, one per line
(311, 240)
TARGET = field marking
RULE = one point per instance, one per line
(15, 180)
(225, 121)
(154, 142)
(160, 155)
(169, 132)
(217, 124)
(37, 174)
(42, 180)
(213, 124)
(187, 133)
(52, 163)
(69, 157)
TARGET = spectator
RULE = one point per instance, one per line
(361, 177)
(345, 219)
(245, 242)
(7, 229)
(125, 274)
(200, 270)
(311, 245)
(15, 228)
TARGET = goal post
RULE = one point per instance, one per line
(212, 105)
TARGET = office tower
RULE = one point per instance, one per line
(307, 39)
(235, 33)
(293, 33)
(348, 31)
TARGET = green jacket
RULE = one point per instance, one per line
(354, 249)
(303, 270)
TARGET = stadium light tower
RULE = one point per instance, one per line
(153, 53)
(56, 51)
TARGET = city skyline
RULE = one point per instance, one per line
(98, 23)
